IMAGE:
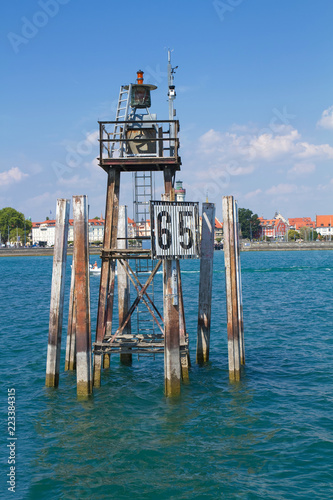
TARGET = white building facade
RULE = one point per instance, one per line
(43, 233)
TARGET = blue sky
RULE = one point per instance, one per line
(254, 98)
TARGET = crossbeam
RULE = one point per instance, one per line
(126, 264)
(136, 301)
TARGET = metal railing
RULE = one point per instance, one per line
(138, 139)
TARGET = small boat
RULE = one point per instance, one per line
(94, 269)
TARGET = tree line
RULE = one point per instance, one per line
(13, 224)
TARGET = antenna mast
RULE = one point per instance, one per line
(172, 97)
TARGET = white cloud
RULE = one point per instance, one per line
(12, 176)
(326, 187)
(326, 120)
(302, 169)
(322, 151)
(76, 182)
(283, 145)
(252, 194)
(270, 147)
(239, 170)
(45, 198)
(93, 137)
(281, 189)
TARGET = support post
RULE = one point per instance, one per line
(112, 190)
(229, 244)
(82, 296)
(123, 282)
(172, 371)
(185, 361)
(70, 359)
(206, 282)
(239, 289)
(57, 293)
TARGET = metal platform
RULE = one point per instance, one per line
(138, 148)
(155, 164)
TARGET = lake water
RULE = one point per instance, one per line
(267, 437)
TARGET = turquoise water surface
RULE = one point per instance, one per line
(267, 437)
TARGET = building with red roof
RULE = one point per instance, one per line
(324, 225)
(275, 228)
(298, 222)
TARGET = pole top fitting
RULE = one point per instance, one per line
(140, 77)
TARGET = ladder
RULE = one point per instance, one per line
(143, 187)
(144, 191)
(119, 131)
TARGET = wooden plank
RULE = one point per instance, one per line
(82, 296)
(57, 293)
(206, 282)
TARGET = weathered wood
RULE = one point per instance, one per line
(113, 246)
(231, 288)
(172, 364)
(239, 288)
(141, 293)
(57, 293)
(206, 282)
(82, 296)
(138, 287)
(185, 361)
(70, 359)
(172, 370)
(123, 281)
(113, 178)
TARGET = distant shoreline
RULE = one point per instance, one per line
(286, 246)
(39, 252)
(245, 247)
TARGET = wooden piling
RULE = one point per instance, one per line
(239, 288)
(185, 361)
(82, 296)
(57, 293)
(172, 370)
(206, 282)
(123, 281)
(112, 196)
(70, 359)
(229, 245)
